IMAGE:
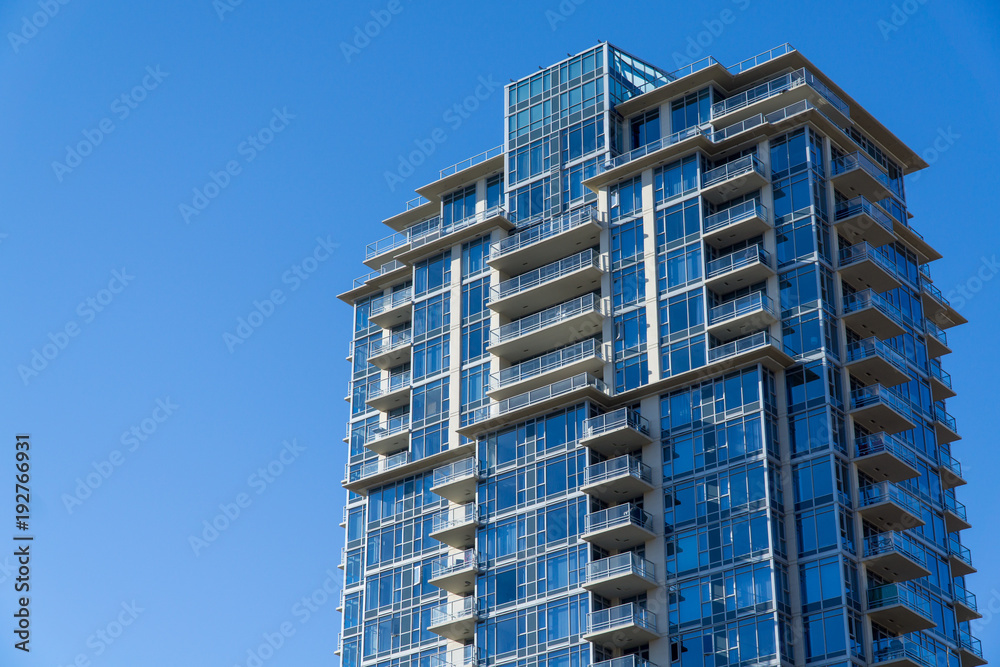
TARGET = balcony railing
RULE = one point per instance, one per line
(970, 643)
(378, 466)
(451, 563)
(942, 416)
(385, 345)
(960, 551)
(935, 293)
(857, 160)
(965, 597)
(869, 298)
(536, 396)
(739, 346)
(879, 443)
(956, 508)
(863, 251)
(734, 169)
(951, 464)
(390, 301)
(748, 209)
(654, 146)
(873, 347)
(458, 610)
(454, 517)
(899, 649)
(547, 273)
(525, 325)
(737, 260)
(457, 470)
(471, 161)
(624, 614)
(385, 245)
(940, 374)
(937, 332)
(612, 421)
(442, 229)
(620, 515)
(388, 385)
(616, 467)
(619, 565)
(858, 205)
(894, 542)
(544, 230)
(625, 661)
(372, 275)
(891, 595)
(882, 492)
(740, 306)
(776, 87)
(547, 362)
(466, 656)
(387, 429)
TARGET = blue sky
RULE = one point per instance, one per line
(134, 294)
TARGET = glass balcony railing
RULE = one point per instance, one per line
(386, 345)
(620, 565)
(739, 346)
(741, 306)
(868, 298)
(620, 515)
(950, 464)
(940, 374)
(459, 469)
(883, 492)
(466, 656)
(378, 466)
(544, 230)
(452, 563)
(388, 385)
(942, 417)
(858, 205)
(935, 293)
(471, 161)
(873, 347)
(879, 443)
(387, 429)
(936, 331)
(613, 421)
(748, 209)
(385, 245)
(458, 610)
(423, 236)
(390, 301)
(859, 160)
(894, 542)
(547, 362)
(970, 643)
(536, 396)
(616, 467)
(545, 274)
(891, 595)
(616, 617)
(860, 252)
(776, 87)
(372, 275)
(958, 550)
(625, 661)
(956, 508)
(654, 146)
(899, 649)
(454, 517)
(740, 167)
(761, 58)
(564, 311)
(965, 597)
(737, 260)
(708, 61)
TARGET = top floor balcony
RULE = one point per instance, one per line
(644, 157)
(938, 309)
(553, 283)
(734, 179)
(446, 234)
(856, 174)
(392, 309)
(384, 250)
(615, 433)
(858, 220)
(772, 95)
(547, 241)
(529, 336)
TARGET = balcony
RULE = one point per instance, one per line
(879, 409)
(895, 557)
(457, 526)
(375, 281)
(386, 353)
(765, 98)
(383, 470)
(955, 516)
(734, 179)
(582, 357)
(938, 309)
(941, 388)
(899, 609)
(383, 250)
(457, 481)
(547, 242)
(901, 652)
(937, 340)
(553, 283)
(960, 559)
(950, 471)
(456, 573)
(742, 316)
(863, 267)
(743, 350)
(856, 175)
(889, 507)
(945, 426)
(625, 626)
(970, 650)
(966, 608)
(392, 309)
(616, 433)
(455, 620)
(654, 153)
(578, 318)
(617, 480)
(620, 527)
(870, 314)
(466, 656)
(870, 361)
(429, 240)
(389, 393)
(858, 220)
(625, 661)
(736, 223)
(388, 436)
(620, 576)
(738, 269)
(882, 457)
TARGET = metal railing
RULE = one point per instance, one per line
(387, 429)
(969, 643)
(960, 551)
(619, 565)
(458, 610)
(935, 293)
(965, 597)
(873, 347)
(741, 306)
(465, 468)
(939, 373)
(616, 467)
(628, 514)
(761, 58)
(870, 298)
(899, 649)
(471, 161)
(737, 260)
(950, 463)
(877, 443)
(560, 358)
(451, 563)
(395, 341)
(545, 274)
(625, 661)
(544, 230)
(937, 332)
(860, 252)
(858, 205)
(734, 214)
(466, 656)
(387, 244)
(734, 169)
(613, 421)
(388, 385)
(942, 417)
(417, 201)
(859, 160)
(890, 595)
(774, 87)
(652, 147)
(616, 617)
(894, 542)
(389, 301)
(443, 229)
(956, 508)
(535, 396)
(454, 517)
(372, 275)
(378, 466)
(739, 346)
(882, 492)
(525, 325)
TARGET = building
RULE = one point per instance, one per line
(657, 382)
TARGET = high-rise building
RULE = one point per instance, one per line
(657, 382)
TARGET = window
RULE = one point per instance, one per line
(573, 178)
(530, 200)
(679, 267)
(626, 199)
(645, 128)
(580, 97)
(474, 255)
(529, 160)
(680, 314)
(475, 382)
(582, 139)
(693, 109)
(676, 179)
(795, 152)
(430, 357)
(459, 205)
(430, 317)
(474, 297)
(494, 191)
(432, 274)
(475, 337)
(677, 224)
(430, 402)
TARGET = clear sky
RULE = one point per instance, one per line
(133, 279)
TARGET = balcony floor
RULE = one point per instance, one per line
(888, 515)
(617, 489)
(621, 585)
(619, 537)
(895, 566)
(886, 466)
(878, 416)
(580, 326)
(551, 292)
(900, 618)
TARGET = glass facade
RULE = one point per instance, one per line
(658, 383)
